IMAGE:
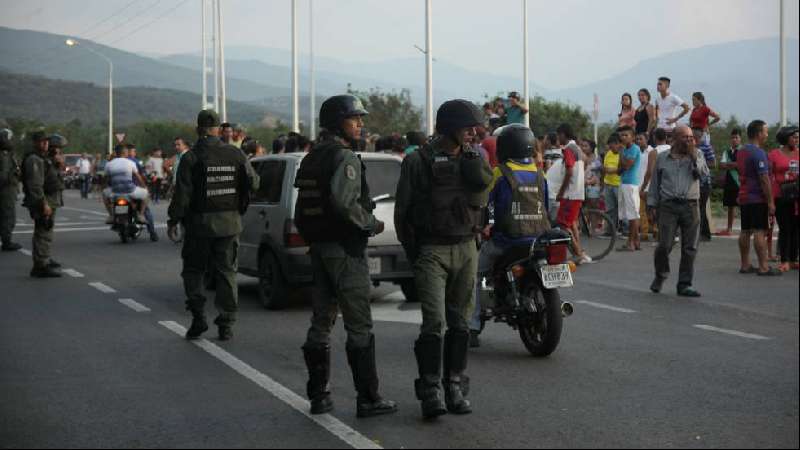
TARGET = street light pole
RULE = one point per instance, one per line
(295, 95)
(313, 103)
(74, 43)
(784, 118)
(428, 69)
(525, 80)
(204, 32)
(223, 78)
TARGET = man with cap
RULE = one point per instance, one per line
(334, 215)
(441, 196)
(516, 111)
(9, 186)
(42, 184)
(211, 194)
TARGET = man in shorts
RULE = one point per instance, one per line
(121, 177)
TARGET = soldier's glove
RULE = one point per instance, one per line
(173, 233)
(380, 227)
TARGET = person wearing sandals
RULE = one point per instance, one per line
(730, 196)
(755, 199)
(629, 200)
(674, 198)
(784, 164)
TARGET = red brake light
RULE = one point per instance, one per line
(292, 236)
(557, 254)
(122, 202)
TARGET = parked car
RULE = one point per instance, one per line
(273, 251)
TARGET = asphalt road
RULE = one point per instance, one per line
(84, 364)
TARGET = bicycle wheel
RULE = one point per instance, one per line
(598, 233)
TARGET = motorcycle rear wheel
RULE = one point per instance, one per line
(541, 332)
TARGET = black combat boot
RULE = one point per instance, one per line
(456, 384)
(53, 264)
(9, 246)
(199, 326)
(365, 378)
(318, 362)
(428, 350)
(224, 328)
(45, 272)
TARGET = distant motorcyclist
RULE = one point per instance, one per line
(519, 199)
(122, 176)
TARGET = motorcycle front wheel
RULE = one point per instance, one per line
(541, 332)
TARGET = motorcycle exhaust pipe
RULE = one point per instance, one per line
(566, 309)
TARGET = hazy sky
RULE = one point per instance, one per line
(571, 41)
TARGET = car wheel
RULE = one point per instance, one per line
(409, 291)
(272, 287)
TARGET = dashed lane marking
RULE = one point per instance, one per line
(134, 305)
(73, 273)
(326, 421)
(85, 211)
(741, 334)
(25, 251)
(69, 230)
(607, 307)
(102, 287)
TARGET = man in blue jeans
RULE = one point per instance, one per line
(520, 200)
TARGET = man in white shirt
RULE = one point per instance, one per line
(666, 104)
(572, 192)
(120, 175)
(85, 174)
(155, 169)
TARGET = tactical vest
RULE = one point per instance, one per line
(11, 167)
(315, 216)
(527, 216)
(450, 213)
(217, 177)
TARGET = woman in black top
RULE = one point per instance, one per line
(645, 113)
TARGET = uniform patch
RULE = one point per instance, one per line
(351, 172)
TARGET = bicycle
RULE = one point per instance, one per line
(598, 233)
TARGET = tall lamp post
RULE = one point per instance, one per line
(74, 43)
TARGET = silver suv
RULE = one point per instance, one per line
(273, 251)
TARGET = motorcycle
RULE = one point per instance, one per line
(125, 221)
(522, 291)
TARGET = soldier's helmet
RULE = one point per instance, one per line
(6, 136)
(514, 141)
(58, 140)
(455, 115)
(338, 108)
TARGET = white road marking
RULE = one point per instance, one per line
(69, 224)
(740, 334)
(102, 287)
(73, 273)
(392, 312)
(26, 252)
(134, 305)
(70, 230)
(333, 425)
(86, 211)
(608, 307)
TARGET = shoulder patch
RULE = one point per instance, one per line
(350, 171)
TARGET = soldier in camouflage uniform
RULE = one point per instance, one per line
(9, 188)
(334, 215)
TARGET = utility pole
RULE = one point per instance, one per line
(223, 80)
(784, 118)
(525, 93)
(313, 91)
(428, 69)
(295, 93)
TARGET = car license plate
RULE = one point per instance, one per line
(558, 276)
(375, 266)
(120, 210)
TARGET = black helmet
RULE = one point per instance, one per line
(338, 108)
(6, 136)
(58, 140)
(515, 141)
(454, 115)
(785, 133)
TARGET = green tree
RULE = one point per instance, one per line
(546, 116)
(389, 112)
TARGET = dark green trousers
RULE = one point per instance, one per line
(42, 239)
(225, 253)
(8, 213)
(341, 282)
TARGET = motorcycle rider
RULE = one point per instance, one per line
(441, 194)
(121, 177)
(519, 199)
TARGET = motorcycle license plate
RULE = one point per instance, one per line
(375, 266)
(558, 276)
(120, 210)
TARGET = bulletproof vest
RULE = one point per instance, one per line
(10, 166)
(315, 216)
(217, 177)
(450, 212)
(527, 216)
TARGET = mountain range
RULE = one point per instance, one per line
(738, 78)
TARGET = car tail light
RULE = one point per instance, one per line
(557, 254)
(518, 272)
(292, 236)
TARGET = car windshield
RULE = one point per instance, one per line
(71, 160)
(382, 177)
